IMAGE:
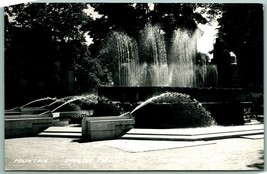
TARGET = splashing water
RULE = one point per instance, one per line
(148, 101)
(153, 59)
(186, 111)
(60, 100)
(168, 97)
(41, 99)
(69, 101)
(122, 50)
(91, 97)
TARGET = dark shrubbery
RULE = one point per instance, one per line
(173, 110)
(101, 106)
(106, 107)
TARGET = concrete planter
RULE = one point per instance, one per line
(26, 125)
(104, 128)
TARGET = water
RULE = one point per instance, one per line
(41, 99)
(61, 100)
(153, 64)
(147, 102)
(69, 101)
(90, 98)
(122, 53)
(152, 59)
(181, 57)
(167, 97)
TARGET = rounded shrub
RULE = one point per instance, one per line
(173, 110)
(107, 107)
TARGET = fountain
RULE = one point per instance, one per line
(152, 68)
(182, 59)
(39, 100)
(153, 60)
(153, 64)
(124, 58)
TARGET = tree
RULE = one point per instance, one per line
(242, 31)
(39, 51)
(132, 17)
(126, 17)
(90, 72)
(177, 15)
(64, 20)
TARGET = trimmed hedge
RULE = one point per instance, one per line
(173, 110)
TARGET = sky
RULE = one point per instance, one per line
(205, 43)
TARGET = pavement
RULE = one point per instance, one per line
(231, 148)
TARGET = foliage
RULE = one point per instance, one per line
(64, 20)
(174, 110)
(102, 106)
(43, 43)
(193, 107)
(106, 107)
(174, 98)
(242, 30)
(37, 46)
(177, 15)
(132, 17)
(90, 71)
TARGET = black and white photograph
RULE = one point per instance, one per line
(133, 86)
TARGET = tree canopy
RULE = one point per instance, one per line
(132, 17)
(44, 42)
(242, 30)
(44, 46)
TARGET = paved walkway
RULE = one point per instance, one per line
(69, 153)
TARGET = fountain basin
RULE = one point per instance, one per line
(108, 127)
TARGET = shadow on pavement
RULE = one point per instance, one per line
(259, 165)
(79, 141)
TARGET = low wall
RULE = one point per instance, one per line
(137, 94)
